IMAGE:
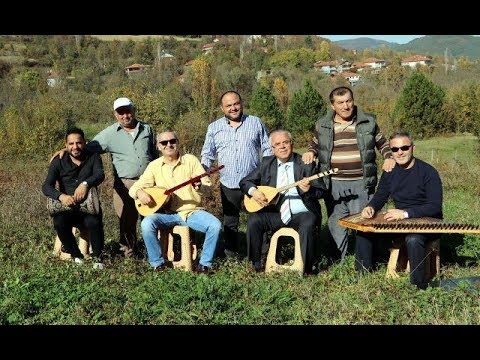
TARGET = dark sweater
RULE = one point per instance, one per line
(417, 190)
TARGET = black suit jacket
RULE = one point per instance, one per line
(266, 175)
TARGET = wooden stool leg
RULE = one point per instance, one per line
(392, 264)
(271, 262)
(188, 251)
(298, 263)
(433, 264)
(83, 244)
(398, 258)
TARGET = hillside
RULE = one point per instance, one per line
(362, 43)
(458, 45)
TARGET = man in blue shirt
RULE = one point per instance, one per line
(237, 139)
(416, 190)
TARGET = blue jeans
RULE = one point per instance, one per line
(199, 220)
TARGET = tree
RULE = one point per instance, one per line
(265, 106)
(280, 91)
(306, 106)
(419, 106)
(201, 85)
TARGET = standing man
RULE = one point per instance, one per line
(346, 138)
(416, 190)
(298, 206)
(184, 206)
(237, 139)
(131, 145)
(76, 174)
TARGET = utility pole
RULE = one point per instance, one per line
(78, 41)
(159, 61)
(446, 60)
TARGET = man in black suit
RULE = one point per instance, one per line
(297, 207)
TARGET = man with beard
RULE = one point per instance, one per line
(76, 174)
(237, 139)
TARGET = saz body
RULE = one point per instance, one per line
(272, 193)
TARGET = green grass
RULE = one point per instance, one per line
(37, 288)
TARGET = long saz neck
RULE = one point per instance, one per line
(313, 177)
(192, 180)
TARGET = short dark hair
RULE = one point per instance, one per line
(339, 91)
(74, 130)
(230, 92)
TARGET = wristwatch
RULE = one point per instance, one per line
(405, 215)
(85, 183)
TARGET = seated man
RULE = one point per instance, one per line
(416, 190)
(75, 174)
(183, 208)
(298, 207)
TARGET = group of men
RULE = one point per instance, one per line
(344, 138)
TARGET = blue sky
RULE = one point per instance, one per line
(400, 39)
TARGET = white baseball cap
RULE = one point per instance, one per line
(123, 101)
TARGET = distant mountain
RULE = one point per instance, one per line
(362, 43)
(457, 45)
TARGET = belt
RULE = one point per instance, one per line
(135, 178)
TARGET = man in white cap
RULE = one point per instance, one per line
(131, 145)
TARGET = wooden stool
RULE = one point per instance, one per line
(83, 245)
(399, 259)
(188, 248)
(272, 265)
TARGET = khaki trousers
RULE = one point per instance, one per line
(125, 209)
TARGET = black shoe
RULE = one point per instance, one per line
(163, 267)
(258, 267)
(200, 269)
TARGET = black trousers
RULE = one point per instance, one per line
(64, 223)
(364, 249)
(259, 223)
(231, 206)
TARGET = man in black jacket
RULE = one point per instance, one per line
(297, 207)
(76, 174)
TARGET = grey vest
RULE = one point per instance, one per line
(365, 128)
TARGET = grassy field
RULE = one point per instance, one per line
(38, 288)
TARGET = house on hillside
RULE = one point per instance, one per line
(375, 64)
(207, 48)
(359, 66)
(166, 55)
(136, 68)
(352, 77)
(416, 60)
(328, 67)
(53, 78)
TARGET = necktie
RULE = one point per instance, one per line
(285, 213)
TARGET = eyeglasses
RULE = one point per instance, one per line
(286, 142)
(171, 141)
(404, 148)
